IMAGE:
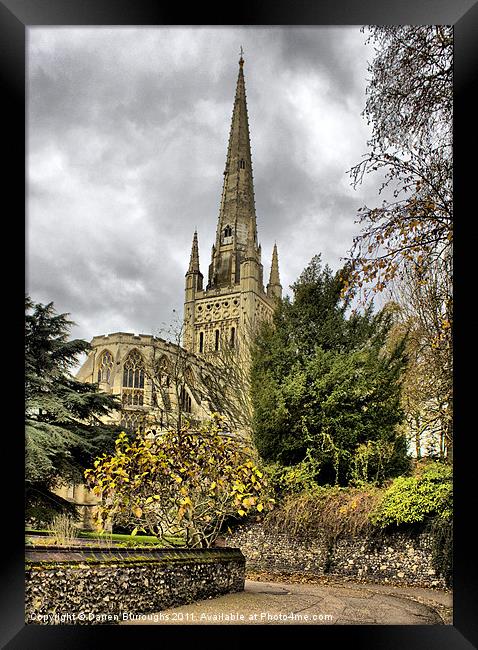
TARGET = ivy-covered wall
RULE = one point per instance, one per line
(63, 588)
(397, 559)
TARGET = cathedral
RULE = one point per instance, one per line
(156, 379)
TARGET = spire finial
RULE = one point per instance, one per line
(241, 60)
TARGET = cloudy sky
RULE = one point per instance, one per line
(127, 136)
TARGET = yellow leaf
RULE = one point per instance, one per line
(260, 507)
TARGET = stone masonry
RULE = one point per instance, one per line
(396, 559)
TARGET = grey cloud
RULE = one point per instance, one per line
(127, 138)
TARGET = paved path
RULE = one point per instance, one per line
(275, 603)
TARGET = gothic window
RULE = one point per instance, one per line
(133, 380)
(161, 383)
(233, 337)
(216, 342)
(242, 164)
(185, 400)
(163, 371)
(105, 367)
(227, 234)
(201, 341)
(189, 377)
(132, 421)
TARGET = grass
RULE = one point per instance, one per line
(123, 540)
(126, 539)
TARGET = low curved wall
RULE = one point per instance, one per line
(396, 558)
(98, 586)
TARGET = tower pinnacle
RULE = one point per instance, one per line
(274, 288)
(194, 259)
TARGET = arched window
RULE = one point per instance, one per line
(228, 231)
(216, 342)
(161, 383)
(201, 341)
(233, 337)
(185, 400)
(242, 164)
(132, 421)
(105, 367)
(133, 380)
(133, 371)
(189, 377)
(163, 371)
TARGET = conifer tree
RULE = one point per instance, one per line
(323, 382)
(64, 429)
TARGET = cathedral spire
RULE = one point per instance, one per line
(234, 301)
(274, 288)
(237, 213)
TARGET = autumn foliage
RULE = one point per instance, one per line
(409, 107)
(178, 485)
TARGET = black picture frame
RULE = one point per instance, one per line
(15, 18)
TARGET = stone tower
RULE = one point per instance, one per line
(234, 300)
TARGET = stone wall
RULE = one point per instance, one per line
(95, 586)
(397, 559)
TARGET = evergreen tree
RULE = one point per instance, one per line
(323, 382)
(64, 431)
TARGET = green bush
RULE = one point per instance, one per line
(376, 460)
(293, 479)
(413, 499)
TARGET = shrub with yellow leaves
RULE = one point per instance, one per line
(179, 485)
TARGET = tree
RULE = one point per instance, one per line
(174, 379)
(427, 395)
(64, 428)
(226, 383)
(178, 485)
(323, 384)
(408, 239)
(409, 104)
(218, 381)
